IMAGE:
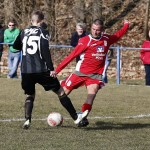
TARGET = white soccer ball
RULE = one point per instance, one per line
(55, 119)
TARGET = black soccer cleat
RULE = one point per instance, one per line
(83, 123)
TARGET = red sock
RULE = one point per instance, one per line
(86, 106)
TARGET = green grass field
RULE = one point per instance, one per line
(120, 119)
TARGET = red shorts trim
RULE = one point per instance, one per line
(73, 82)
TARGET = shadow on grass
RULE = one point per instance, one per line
(117, 126)
(55, 128)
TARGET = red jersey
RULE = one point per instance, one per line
(92, 52)
(145, 54)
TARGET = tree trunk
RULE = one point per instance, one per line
(79, 10)
(9, 5)
(97, 9)
(50, 17)
(146, 20)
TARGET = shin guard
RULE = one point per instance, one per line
(67, 104)
(28, 107)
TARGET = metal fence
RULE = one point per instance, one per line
(119, 58)
(118, 64)
(59, 52)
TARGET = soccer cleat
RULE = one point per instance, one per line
(26, 125)
(83, 123)
(81, 116)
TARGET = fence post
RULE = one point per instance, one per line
(118, 65)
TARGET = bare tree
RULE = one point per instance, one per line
(26, 9)
(9, 11)
(79, 10)
(50, 17)
(1, 12)
(97, 9)
(146, 19)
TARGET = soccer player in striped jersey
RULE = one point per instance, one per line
(92, 49)
(37, 67)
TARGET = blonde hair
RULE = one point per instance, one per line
(81, 25)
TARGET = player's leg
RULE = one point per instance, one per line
(50, 83)
(67, 91)
(53, 83)
(66, 103)
(29, 106)
(73, 82)
(93, 85)
(92, 91)
(28, 86)
(28, 110)
(65, 100)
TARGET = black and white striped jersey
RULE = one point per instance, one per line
(36, 57)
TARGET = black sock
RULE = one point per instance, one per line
(67, 104)
(28, 107)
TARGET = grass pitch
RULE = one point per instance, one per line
(120, 119)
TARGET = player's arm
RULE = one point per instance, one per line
(77, 51)
(117, 35)
(45, 52)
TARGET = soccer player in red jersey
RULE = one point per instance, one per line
(92, 49)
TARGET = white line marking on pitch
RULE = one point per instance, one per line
(96, 117)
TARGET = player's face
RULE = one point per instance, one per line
(96, 30)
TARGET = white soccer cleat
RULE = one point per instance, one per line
(26, 125)
(81, 116)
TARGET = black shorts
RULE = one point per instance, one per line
(44, 79)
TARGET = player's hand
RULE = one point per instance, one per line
(53, 74)
(126, 21)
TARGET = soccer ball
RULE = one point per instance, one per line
(55, 119)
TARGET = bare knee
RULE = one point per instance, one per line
(67, 92)
(92, 89)
(62, 91)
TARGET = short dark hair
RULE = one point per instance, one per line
(44, 25)
(39, 14)
(12, 20)
(98, 22)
